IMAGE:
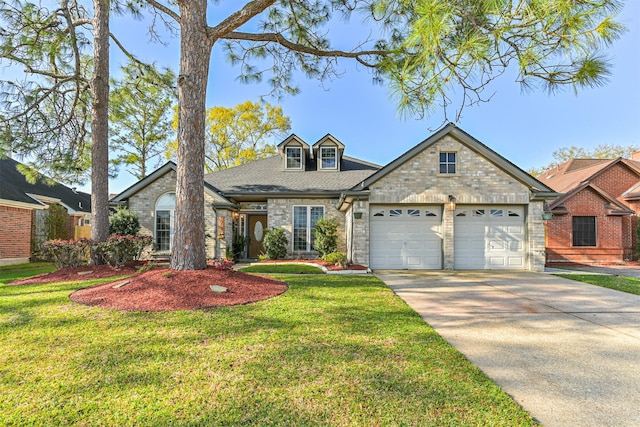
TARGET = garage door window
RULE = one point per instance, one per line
(584, 231)
(304, 224)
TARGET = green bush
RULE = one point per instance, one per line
(326, 236)
(275, 243)
(239, 243)
(66, 253)
(124, 222)
(337, 258)
(118, 250)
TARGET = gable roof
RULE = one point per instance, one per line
(538, 188)
(614, 207)
(158, 173)
(16, 188)
(576, 174)
(266, 177)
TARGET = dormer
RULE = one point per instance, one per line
(328, 153)
(294, 153)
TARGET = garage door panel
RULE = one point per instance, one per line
(406, 237)
(489, 237)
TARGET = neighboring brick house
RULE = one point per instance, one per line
(449, 202)
(23, 208)
(595, 218)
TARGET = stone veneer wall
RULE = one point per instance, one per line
(358, 234)
(280, 215)
(144, 202)
(478, 181)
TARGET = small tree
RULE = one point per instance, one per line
(275, 243)
(124, 222)
(326, 236)
(56, 221)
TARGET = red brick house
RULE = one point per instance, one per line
(596, 217)
(23, 209)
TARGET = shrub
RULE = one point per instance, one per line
(66, 253)
(124, 222)
(326, 236)
(56, 222)
(118, 250)
(239, 243)
(222, 264)
(337, 258)
(275, 243)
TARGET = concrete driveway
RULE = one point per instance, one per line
(568, 352)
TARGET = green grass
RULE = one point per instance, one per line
(332, 350)
(20, 271)
(630, 285)
(293, 268)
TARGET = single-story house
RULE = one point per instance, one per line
(595, 219)
(23, 213)
(450, 202)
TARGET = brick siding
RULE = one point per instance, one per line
(16, 232)
(616, 235)
(477, 182)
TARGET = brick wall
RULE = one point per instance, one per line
(477, 181)
(144, 202)
(15, 229)
(613, 240)
(280, 215)
(616, 235)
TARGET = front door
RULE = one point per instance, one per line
(257, 228)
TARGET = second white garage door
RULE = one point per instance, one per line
(404, 237)
(489, 237)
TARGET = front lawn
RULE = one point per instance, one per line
(20, 271)
(332, 350)
(293, 268)
(630, 285)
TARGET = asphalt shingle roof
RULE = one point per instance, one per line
(14, 186)
(268, 176)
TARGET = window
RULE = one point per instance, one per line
(496, 212)
(395, 212)
(584, 231)
(164, 221)
(413, 212)
(304, 224)
(379, 213)
(294, 157)
(328, 158)
(447, 163)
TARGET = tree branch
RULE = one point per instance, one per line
(237, 19)
(164, 9)
(281, 40)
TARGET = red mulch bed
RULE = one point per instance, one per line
(328, 266)
(162, 289)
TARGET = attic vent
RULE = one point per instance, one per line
(80, 205)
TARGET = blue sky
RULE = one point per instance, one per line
(523, 127)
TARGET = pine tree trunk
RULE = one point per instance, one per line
(189, 250)
(99, 125)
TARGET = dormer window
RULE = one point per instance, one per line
(328, 158)
(294, 157)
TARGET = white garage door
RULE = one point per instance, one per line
(406, 237)
(489, 237)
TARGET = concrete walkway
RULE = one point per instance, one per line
(568, 352)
